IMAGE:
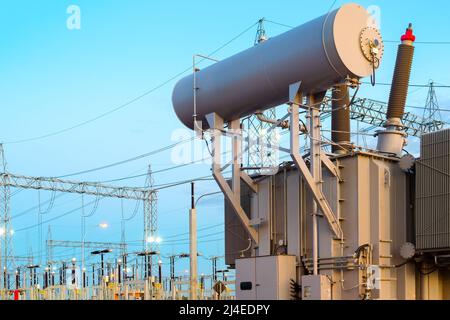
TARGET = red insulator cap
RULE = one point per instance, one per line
(408, 36)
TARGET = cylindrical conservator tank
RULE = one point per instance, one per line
(320, 53)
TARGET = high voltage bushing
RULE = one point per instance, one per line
(400, 80)
(393, 138)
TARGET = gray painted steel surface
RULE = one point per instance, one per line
(433, 192)
(320, 53)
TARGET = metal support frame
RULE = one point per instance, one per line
(373, 112)
(8, 180)
(151, 226)
(313, 183)
(6, 245)
(232, 194)
(88, 244)
(91, 188)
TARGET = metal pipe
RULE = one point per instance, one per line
(284, 124)
(340, 119)
(316, 171)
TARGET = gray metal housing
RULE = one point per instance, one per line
(320, 53)
(433, 192)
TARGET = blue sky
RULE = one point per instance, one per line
(54, 78)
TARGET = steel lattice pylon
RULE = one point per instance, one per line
(151, 239)
(373, 112)
(431, 114)
(8, 180)
(258, 155)
(260, 32)
(6, 231)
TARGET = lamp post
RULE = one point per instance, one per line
(102, 267)
(101, 225)
(148, 276)
(193, 250)
(102, 262)
(148, 264)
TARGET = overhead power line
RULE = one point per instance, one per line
(48, 135)
(156, 188)
(128, 160)
(412, 85)
(387, 41)
(55, 218)
(129, 102)
(421, 42)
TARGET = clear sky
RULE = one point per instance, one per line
(53, 78)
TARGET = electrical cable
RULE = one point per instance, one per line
(54, 218)
(385, 41)
(126, 104)
(410, 85)
(145, 155)
(36, 206)
(135, 211)
(421, 42)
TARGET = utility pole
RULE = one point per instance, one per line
(193, 246)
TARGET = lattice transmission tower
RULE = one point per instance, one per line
(151, 238)
(6, 231)
(431, 114)
(258, 155)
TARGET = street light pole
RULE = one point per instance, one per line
(193, 246)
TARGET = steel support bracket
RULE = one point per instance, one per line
(233, 195)
(295, 100)
(330, 166)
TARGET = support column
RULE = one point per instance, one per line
(235, 127)
(216, 124)
(193, 247)
(316, 170)
(295, 101)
